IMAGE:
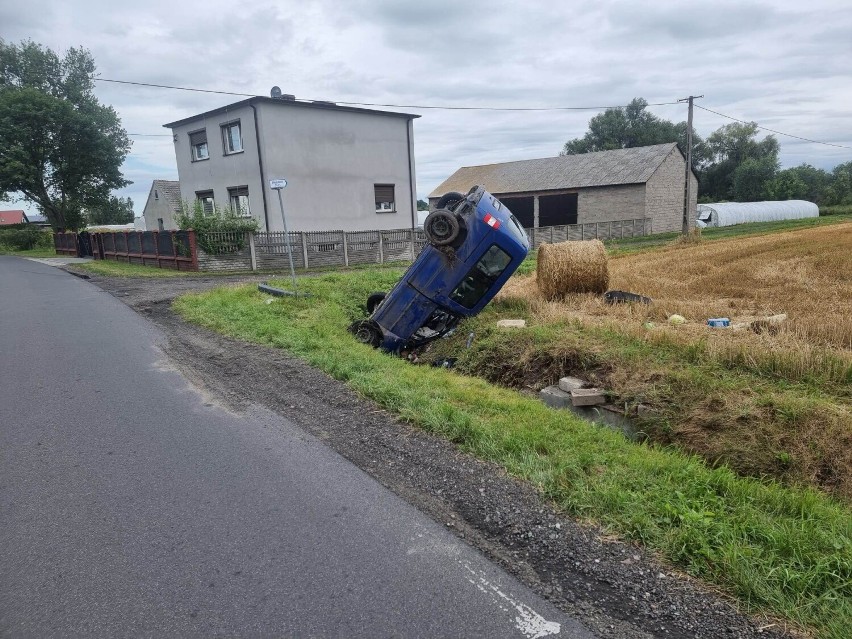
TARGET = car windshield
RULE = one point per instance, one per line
(481, 277)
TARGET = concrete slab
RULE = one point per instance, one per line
(60, 261)
(587, 397)
(568, 384)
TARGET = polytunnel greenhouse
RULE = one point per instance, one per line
(730, 213)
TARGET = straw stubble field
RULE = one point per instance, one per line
(769, 398)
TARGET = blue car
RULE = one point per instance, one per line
(475, 244)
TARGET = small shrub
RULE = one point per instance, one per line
(208, 224)
(25, 239)
(840, 209)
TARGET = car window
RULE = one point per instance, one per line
(481, 277)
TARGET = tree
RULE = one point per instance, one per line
(422, 205)
(59, 147)
(751, 179)
(725, 150)
(787, 185)
(630, 126)
(114, 211)
(840, 190)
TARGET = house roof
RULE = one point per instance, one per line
(311, 104)
(13, 217)
(170, 190)
(603, 168)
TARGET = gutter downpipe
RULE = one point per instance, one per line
(260, 166)
(408, 128)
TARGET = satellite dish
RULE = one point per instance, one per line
(275, 92)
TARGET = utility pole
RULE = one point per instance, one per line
(687, 194)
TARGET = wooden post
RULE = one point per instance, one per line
(551, 235)
(381, 248)
(535, 211)
(345, 249)
(305, 248)
(252, 251)
(411, 238)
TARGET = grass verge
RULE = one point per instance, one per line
(779, 549)
(36, 252)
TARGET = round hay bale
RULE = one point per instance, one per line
(572, 267)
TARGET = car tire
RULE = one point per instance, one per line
(367, 332)
(374, 300)
(442, 227)
(449, 200)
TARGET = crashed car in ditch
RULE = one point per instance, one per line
(474, 246)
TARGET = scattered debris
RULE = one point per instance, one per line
(512, 323)
(623, 297)
(719, 322)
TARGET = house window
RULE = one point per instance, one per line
(198, 142)
(231, 138)
(239, 199)
(205, 198)
(156, 195)
(384, 198)
(160, 224)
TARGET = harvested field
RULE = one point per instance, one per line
(770, 398)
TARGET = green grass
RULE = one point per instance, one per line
(783, 550)
(36, 252)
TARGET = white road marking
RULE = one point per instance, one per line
(528, 621)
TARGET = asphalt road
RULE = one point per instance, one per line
(132, 504)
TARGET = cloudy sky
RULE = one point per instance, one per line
(784, 64)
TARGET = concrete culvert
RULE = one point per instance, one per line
(572, 267)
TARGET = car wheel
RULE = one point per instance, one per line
(449, 200)
(441, 227)
(374, 300)
(367, 332)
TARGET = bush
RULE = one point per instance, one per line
(25, 239)
(840, 209)
(220, 220)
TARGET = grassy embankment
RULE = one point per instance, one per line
(787, 550)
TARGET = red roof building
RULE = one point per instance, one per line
(13, 217)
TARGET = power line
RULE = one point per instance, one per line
(763, 128)
(377, 104)
(150, 135)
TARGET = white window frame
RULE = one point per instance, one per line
(384, 206)
(227, 141)
(202, 196)
(196, 154)
(237, 195)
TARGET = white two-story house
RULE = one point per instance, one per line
(346, 168)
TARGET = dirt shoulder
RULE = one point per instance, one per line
(616, 589)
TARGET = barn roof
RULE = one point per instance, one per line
(603, 168)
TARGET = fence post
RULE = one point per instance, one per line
(305, 248)
(551, 235)
(193, 249)
(345, 249)
(381, 248)
(252, 251)
(411, 238)
(597, 232)
(157, 247)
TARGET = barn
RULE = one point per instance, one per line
(623, 184)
